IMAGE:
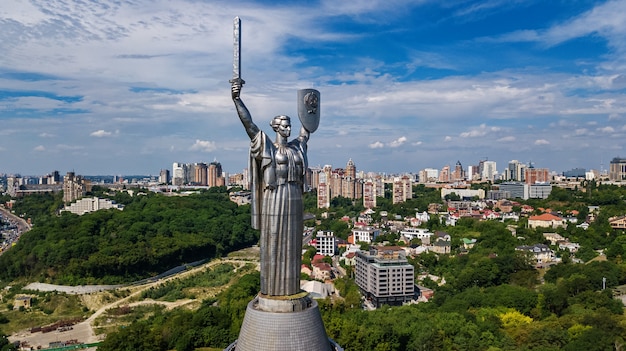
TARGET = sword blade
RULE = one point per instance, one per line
(237, 48)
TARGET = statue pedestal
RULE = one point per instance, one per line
(284, 323)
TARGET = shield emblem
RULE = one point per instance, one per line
(309, 109)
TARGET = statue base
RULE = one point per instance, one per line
(283, 323)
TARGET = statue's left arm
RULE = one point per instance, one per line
(304, 135)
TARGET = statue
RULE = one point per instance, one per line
(277, 171)
(281, 316)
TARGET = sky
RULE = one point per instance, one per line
(128, 87)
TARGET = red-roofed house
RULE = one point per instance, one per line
(322, 271)
(318, 258)
(546, 220)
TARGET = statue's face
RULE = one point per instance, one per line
(284, 129)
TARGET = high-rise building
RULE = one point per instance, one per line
(402, 189)
(487, 170)
(201, 173)
(617, 169)
(179, 173)
(515, 171)
(458, 173)
(384, 276)
(164, 176)
(536, 175)
(215, 177)
(323, 191)
(350, 169)
(429, 175)
(74, 187)
(444, 175)
(369, 194)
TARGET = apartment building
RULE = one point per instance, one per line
(326, 243)
(384, 276)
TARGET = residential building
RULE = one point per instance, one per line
(458, 173)
(541, 253)
(74, 187)
(364, 234)
(428, 175)
(91, 204)
(516, 190)
(164, 176)
(384, 276)
(369, 194)
(488, 170)
(515, 171)
(326, 243)
(463, 193)
(546, 220)
(179, 173)
(618, 222)
(617, 169)
(539, 190)
(201, 174)
(536, 175)
(402, 189)
(215, 176)
(444, 174)
(416, 233)
(323, 191)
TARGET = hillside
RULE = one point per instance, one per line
(152, 234)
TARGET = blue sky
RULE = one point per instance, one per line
(128, 87)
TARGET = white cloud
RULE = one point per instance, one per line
(417, 143)
(506, 139)
(377, 145)
(605, 20)
(479, 131)
(203, 146)
(101, 133)
(398, 142)
(46, 135)
(541, 142)
(65, 147)
(40, 148)
(447, 138)
(607, 129)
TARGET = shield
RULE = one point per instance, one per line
(309, 109)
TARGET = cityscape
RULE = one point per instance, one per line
(331, 182)
(458, 181)
(383, 253)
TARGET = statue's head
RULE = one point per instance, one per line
(282, 125)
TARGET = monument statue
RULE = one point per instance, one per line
(277, 171)
(282, 317)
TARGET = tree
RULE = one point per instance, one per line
(5, 345)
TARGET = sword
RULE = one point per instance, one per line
(237, 52)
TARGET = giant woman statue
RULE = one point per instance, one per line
(277, 176)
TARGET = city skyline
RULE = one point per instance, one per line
(128, 88)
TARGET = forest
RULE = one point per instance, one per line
(152, 234)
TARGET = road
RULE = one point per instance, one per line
(13, 235)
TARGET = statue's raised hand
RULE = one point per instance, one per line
(236, 88)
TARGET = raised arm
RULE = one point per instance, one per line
(242, 110)
(304, 134)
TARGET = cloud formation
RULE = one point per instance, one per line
(203, 146)
(76, 73)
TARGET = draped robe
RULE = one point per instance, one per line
(277, 182)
